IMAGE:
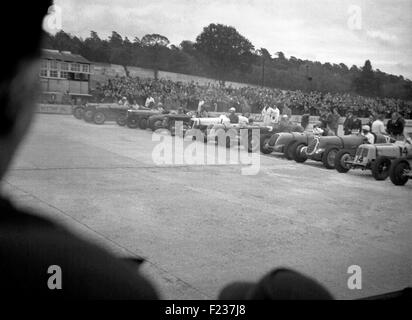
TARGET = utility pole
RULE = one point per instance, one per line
(263, 70)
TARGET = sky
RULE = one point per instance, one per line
(348, 31)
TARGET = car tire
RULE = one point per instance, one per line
(340, 158)
(121, 120)
(157, 124)
(88, 115)
(286, 151)
(133, 123)
(99, 118)
(78, 113)
(292, 149)
(143, 123)
(396, 173)
(300, 156)
(328, 157)
(380, 168)
(264, 148)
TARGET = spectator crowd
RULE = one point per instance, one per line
(174, 95)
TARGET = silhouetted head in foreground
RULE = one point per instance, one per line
(19, 75)
(279, 284)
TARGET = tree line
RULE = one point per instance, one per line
(221, 52)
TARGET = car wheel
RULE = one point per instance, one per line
(328, 157)
(397, 172)
(300, 155)
(143, 123)
(121, 120)
(99, 118)
(380, 168)
(78, 113)
(341, 157)
(88, 115)
(286, 151)
(158, 124)
(133, 123)
(292, 149)
(264, 146)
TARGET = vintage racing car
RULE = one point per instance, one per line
(288, 143)
(138, 118)
(99, 113)
(168, 121)
(326, 148)
(205, 125)
(374, 157)
(231, 134)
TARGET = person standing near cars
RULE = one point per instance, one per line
(396, 126)
(378, 127)
(333, 121)
(267, 114)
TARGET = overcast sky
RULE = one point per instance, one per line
(322, 30)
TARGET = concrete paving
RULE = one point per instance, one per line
(202, 226)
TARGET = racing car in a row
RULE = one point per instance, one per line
(99, 113)
(378, 158)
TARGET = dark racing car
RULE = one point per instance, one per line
(169, 119)
(99, 113)
(139, 118)
(288, 143)
(375, 157)
(325, 149)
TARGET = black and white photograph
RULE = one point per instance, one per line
(190, 150)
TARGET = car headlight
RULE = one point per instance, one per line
(320, 150)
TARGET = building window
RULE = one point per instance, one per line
(64, 74)
(43, 73)
(54, 74)
(77, 76)
(64, 66)
(44, 64)
(75, 67)
(85, 68)
(53, 64)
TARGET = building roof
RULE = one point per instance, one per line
(63, 56)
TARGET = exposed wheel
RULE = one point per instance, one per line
(132, 123)
(78, 113)
(328, 157)
(99, 118)
(380, 168)
(292, 149)
(157, 124)
(287, 151)
(143, 123)
(88, 115)
(397, 172)
(264, 147)
(341, 157)
(121, 120)
(300, 155)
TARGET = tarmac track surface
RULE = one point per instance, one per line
(202, 226)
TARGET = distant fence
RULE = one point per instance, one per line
(105, 71)
(54, 108)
